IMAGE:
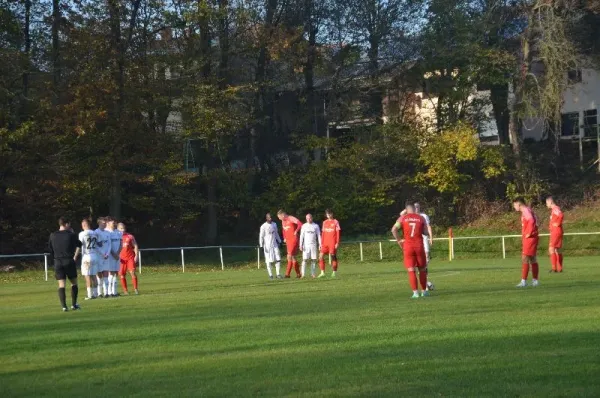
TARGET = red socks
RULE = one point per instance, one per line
(322, 264)
(297, 268)
(554, 261)
(535, 270)
(288, 270)
(135, 282)
(412, 278)
(423, 279)
(334, 264)
(524, 271)
(124, 282)
(559, 262)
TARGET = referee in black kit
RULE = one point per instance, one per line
(64, 247)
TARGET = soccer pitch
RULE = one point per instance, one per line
(235, 333)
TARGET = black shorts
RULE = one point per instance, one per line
(64, 269)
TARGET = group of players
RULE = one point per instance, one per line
(106, 253)
(414, 226)
(308, 238)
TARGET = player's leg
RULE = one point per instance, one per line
(105, 281)
(277, 262)
(524, 270)
(72, 275)
(559, 253)
(295, 262)
(410, 263)
(87, 270)
(535, 270)
(553, 256)
(313, 261)
(324, 250)
(134, 278)
(421, 266)
(290, 259)
(99, 279)
(61, 276)
(305, 257)
(123, 276)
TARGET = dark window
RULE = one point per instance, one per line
(574, 76)
(590, 122)
(570, 124)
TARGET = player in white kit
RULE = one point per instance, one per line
(114, 260)
(90, 257)
(269, 240)
(310, 244)
(104, 249)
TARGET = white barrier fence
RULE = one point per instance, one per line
(182, 250)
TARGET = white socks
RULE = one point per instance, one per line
(313, 267)
(278, 268)
(303, 272)
(90, 294)
(269, 270)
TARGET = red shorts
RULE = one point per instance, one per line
(556, 240)
(127, 266)
(328, 249)
(292, 247)
(414, 257)
(530, 246)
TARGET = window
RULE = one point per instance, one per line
(590, 122)
(574, 76)
(570, 124)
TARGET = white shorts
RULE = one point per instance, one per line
(102, 265)
(113, 265)
(310, 252)
(272, 254)
(89, 265)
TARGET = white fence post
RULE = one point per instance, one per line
(221, 254)
(380, 251)
(182, 261)
(503, 248)
(140, 260)
(361, 251)
(452, 246)
(46, 266)
(258, 257)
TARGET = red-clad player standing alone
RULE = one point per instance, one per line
(556, 235)
(330, 242)
(129, 256)
(531, 239)
(291, 230)
(413, 227)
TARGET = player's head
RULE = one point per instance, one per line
(410, 209)
(281, 214)
(309, 218)
(121, 227)
(518, 204)
(417, 207)
(329, 214)
(101, 222)
(550, 202)
(268, 218)
(63, 223)
(86, 224)
(111, 222)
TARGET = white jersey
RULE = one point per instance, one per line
(89, 243)
(269, 237)
(115, 242)
(103, 242)
(426, 237)
(310, 236)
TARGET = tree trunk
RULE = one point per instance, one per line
(499, 99)
(223, 74)
(375, 97)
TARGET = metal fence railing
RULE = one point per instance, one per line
(376, 249)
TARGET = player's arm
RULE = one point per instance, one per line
(261, 237)
(397, 227)
(319, 236)
(529, 226)
(337, 234)
(302, 233)
(136, 249)
(50, 248)
(559, 220)
(277, 237)
(298, 226)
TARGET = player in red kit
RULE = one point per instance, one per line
(556, 235)
(330, 238)
(129, 256)
(531, 239)
(291, 230)
(413, 227)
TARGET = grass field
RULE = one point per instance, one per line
(235, 333)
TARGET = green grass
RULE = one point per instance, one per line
(234, 333)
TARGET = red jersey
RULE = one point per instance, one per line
(128, 244)
(290, 225)
(330, 233)
(413, 227)
(556, 220)
(529, 223)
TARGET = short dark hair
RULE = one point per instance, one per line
(63, 221)
(101, 219)
(328, 211)
(519, 199)
(550, 197)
